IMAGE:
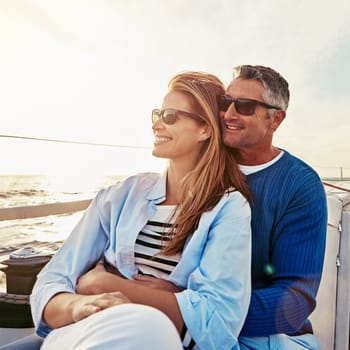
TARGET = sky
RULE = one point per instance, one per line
(92, 70)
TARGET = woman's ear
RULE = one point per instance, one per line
(205, 133)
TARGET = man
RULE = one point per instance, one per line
(289, 214)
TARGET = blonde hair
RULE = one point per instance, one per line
(217, 170)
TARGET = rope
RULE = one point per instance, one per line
(337, 187)
(72, 142)
(14, 298)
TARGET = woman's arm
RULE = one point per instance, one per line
(80, 251)
(98, 281)
(218, 290)
(66, 308)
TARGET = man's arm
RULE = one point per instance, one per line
(297, 252)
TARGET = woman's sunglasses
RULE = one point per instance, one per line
(243, 106)
(169, 115)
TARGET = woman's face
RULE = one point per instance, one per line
(183, 139)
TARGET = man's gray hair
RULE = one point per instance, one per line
(276, 87)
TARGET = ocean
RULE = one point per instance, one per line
(22, 190)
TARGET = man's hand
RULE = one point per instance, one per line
(90, 304)
(157, 283)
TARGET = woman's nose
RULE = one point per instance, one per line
(157, 124)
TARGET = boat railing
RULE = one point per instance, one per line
(34, 211)
(331, 318)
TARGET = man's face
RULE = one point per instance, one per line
(253, 132)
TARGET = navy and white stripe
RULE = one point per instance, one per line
(150, 261)
(151, 240)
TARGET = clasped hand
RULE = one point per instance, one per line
(93, 298)
(88, 305)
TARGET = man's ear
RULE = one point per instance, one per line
(205, 133)
(277, 119)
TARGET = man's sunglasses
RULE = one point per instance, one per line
(243, 106)
(169, 115)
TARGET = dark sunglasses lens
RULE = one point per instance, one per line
(169, 116)
(224, 102)
(245, 107)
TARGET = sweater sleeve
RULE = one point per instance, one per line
(293, 265)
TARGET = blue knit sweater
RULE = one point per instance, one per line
(289, 223)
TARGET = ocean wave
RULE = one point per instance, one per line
(33, 190)
(20, 223)
(26, 193)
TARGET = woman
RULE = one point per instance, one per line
(179, 243)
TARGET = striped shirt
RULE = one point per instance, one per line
(150, 261)
(151, 240)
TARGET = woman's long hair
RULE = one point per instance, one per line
(217, 170)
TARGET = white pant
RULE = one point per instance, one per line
(122, 327)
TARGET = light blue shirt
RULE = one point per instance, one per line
(214, 268)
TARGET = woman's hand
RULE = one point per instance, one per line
(90, 304)
(66, 308)
(157, 283)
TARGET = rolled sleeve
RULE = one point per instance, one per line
(40, 300)
(62, 272)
